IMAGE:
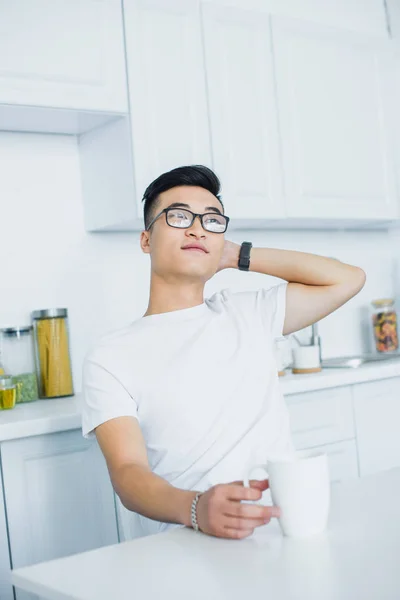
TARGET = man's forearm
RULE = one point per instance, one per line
(143, 492)
(294, 266)
(300, 267)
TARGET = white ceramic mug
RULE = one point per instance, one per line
(301, 489)
(306, 357)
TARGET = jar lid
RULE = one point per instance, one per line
(49, 313)
(16, 331)
(383, 302)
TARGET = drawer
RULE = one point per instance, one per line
(321, 417)
(342, 459)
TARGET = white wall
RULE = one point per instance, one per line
(48, 260)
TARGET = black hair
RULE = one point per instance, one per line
(196, 175)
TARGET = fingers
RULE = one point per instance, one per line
(262, 484)
(238, 492)
(237, 534)
(250, 511)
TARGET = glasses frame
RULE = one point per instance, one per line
(194, 215)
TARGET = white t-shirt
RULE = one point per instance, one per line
(204, 386)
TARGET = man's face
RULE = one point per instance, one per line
(166, 244)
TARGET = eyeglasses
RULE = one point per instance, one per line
(182, 218)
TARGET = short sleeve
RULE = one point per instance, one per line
(266, 305)
(272, 306)
(104, 397)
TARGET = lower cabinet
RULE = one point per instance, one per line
(323, 420)
(58, 496)
(377, 415)
(6, 590)
(342, 460)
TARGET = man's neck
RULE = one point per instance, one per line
(169, 296)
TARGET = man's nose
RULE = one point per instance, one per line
(196, 228)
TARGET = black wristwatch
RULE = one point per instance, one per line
(244, 256)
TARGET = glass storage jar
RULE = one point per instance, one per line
(17, 355)
(384, 321)
(8, 393)
(51, 334)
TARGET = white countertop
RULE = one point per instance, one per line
(40, 416)
(63, 414)
(357, 558)
(334, 377)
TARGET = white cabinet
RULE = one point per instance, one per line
(59, 499)
(63, 54)
(108, 190)
(323, 420)
(166, 87)
(243, 114)
(342, 459)
(6, 590)
(337, 153)
(321, 417)
(377, 416)
(168, 124)
(293, 117)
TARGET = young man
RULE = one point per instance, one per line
(185, 399)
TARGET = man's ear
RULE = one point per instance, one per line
(145, 242)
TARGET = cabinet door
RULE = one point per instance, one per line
(240, 83)
(63, 53)
(321, 417)
(166, 87)
(58, 496)
(342, 460)
(6, 590)
(337, 155)
(377, 415)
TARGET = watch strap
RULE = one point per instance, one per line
(244, 256)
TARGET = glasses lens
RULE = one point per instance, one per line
(178, 217)
(214, 222)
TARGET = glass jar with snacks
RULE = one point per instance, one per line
(384, 321)
(53, 360)
(8, 392)
(17, 352)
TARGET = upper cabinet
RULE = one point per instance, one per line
(335, 134)
(168, 123)
(64, 55)
(294, 117)
(167, 92)
(243, 112)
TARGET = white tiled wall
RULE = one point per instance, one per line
(47, 259)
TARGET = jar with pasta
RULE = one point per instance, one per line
(53, 359)
(384, 321)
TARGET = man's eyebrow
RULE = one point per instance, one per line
(183, 205)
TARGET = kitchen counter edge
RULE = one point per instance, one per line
(64, 414)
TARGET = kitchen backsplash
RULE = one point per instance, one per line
(48, 259)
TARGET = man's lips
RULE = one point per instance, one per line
(195, 248)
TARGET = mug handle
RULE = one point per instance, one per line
(246, 478)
